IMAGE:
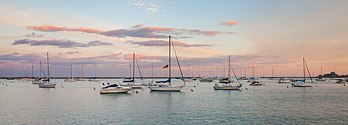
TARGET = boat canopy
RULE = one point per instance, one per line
(164, 81)
(113, 85)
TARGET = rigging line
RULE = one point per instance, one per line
(141, 76)
(235, 75)
(308, 71)
(177, 60)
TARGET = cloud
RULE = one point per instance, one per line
(150, 6)
(229, 23)
(33, 35)
(49, 28)
(165, 43)
(68, 53)
(60, 43)
(139, 31)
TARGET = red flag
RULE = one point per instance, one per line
(166, 66)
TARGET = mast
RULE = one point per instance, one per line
(40, 69)
(217, 70)
(71, 71)
(130, 69)
(304, 70)
(82, 71)
(152, 72)
(95, 70)
(170, 65)
(48, 67)
(32, 71)
(321, 70)
(133, 67)
(272, 72)
(229, 66)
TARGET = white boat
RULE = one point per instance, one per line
(71, 79)
(226, 83)
(303, 83)
(227, 87)
(188, 80)
(167, 86)
(81, 79)
(206, 79)
(256, 83)
(95, 80)
(130, 81)
(114, 89)
(284, 80)
(300, 83)
(46, 83)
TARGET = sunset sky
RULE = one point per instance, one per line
(263, 34)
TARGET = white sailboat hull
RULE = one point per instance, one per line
(284, 81)
(69, 80)
(166, 88)
(115, 90)
(82, 79)
(299, 84)
(47, 85)
(227, 87)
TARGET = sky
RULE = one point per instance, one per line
(102, 35)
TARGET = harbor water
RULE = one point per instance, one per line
(80, 103)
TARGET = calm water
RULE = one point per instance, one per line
(78, 103)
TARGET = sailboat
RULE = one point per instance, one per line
(168, 86)
(303, 83)
(284, 80)
(226, 83)
(96, 79)
(83, 75)
(71, 79)
(46, 83)
(131, 82)
(129, 79)
(320, 78)
(188, 74)
(38, 80)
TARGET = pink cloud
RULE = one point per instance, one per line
(229, 22)
(139, 31)
(49, 28)
(165, 43)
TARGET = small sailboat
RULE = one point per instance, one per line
(130, 82)
(256, 83)
(71, 79)
(38, 80)
(95, 79)
(114, 89)
(206, 79)
(83, 78)
(46, 83)
(303, 83)
(320, 78)
(226, 83)
(167, 86)
(284, 80)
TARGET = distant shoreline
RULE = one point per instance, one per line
(119, 77)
